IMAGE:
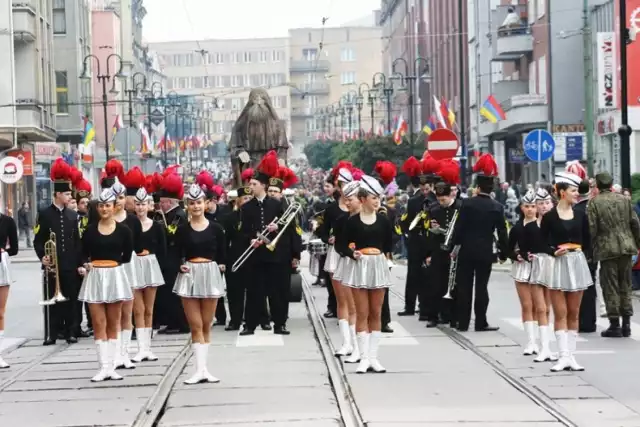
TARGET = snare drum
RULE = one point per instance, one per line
(317, 247)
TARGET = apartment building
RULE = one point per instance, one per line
(71, 44)
(219, 74)
(27, 101)
(342, 71)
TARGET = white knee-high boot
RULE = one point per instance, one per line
(113, 351)
(572, 341)
(148, 353)
(347, 347)
(532, 346)
(204, 349)
(355, 354)
(197, 357)
(545, 349)
(563, 347)
(374, 344)
(102, 348)
(3, 364)
(124, 349)
(363, 344)
(142, 345)
(117, 361)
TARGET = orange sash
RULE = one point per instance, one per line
(143, 253)
(104, 263)
(199, 260)
(570, 246)
(370, 251)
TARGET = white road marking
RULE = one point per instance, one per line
(516, 322)
(260, 339)
(604, 324)
(594, 352)
(399, 337)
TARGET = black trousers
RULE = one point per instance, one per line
(587, 317)
(168, 309)
(221, 312)
(88, 313)
(332, 304)
(385, 315)
(436, 306)
(415, 278)
(61, 317)
(236, 286)
(274, 281)
(472, 269)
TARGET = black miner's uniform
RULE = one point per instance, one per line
(437, 309)
(479, 218)
(64, 223)
(385, 315)
(236, 282)
(221, 312)
(262, 266)
(587, 318)
(324, 232)
(168, 308)
(415, 242)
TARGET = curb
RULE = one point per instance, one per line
(25, 261)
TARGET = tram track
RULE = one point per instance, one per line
(28, 367)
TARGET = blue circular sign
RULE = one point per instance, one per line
(538, 145)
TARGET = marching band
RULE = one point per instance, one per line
(135, 257)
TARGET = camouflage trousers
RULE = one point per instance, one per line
(615, 280)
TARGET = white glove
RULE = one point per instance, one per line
(243, 156)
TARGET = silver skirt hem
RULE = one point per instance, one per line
(105, 285)
(148, 272)
(204, 280)
(571, 273)
(130, 268)
(5, 270)
(340, 268)
(542, 269)
(369, 272)
(332, 260)
(521, 271)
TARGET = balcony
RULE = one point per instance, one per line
(305, 66)
(513, 43)
(24, 21)
(32, 123)
(505, 89)
(524, 113)
(311, 89)
(302, 113)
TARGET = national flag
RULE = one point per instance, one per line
(492, 110)
(117, 125)
(448, 113)
(401, 130)
(441, 120)
(430, 126)
(144, 144)
(89, 132)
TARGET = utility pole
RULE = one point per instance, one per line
(463, 85)
(625, 130)
(588, 86)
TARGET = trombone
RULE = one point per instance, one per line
(450, 229)
(282, 222)
(50, 251)
(453, 268)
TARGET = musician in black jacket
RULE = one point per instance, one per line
(258, 216)
(479, 218)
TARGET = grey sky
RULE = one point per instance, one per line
(177, 20)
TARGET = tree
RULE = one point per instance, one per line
(319, 154)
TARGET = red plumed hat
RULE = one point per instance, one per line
(246, 175)
(82, 190)
(386, 170)
(411, 167)
(170, 169)
(486, 165)
(576, 168)
(172, 187)
(76, 176)
(134, 180)
(449, 171)
(217, 191)
(285, 178)
(267, 168)
(430, 165)
(61, 176)
(342, 164)
(113, 170)
(357, 174)
(204, 180)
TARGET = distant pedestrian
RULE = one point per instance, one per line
(24, 222)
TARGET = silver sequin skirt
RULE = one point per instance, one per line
(521, 271)
(5, 270)
(148, 272)
(204, 280)
(369, 272)
(340, 268)
(132, 274)
(332, 260)
(571, 273)
(314, 265)
(542, 269)
(103, 285)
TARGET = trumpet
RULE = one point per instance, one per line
(448, 237)
(50, 251)
(452, 273)
(421, 215)
(282, 223)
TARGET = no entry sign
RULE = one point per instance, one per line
(443, 144)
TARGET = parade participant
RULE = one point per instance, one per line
(82, 194)
(132, 180)
(202, 248)
(349, 336)
(237, 281)
(168, 310)
(106, 246)
(566, 231)
(415, 237)
(519, 249)
(8, 234)
(258, 215)
(152, 246)
(615, 238)
(479, 218)
(332, 194)
(333, 222)
(368, 238)
(437, 258)
(113, 172)
(541, 275)
(62, 222)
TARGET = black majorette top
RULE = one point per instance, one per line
(340, 226)
(9, 233)
(556, 231)
(133, 224)
(154, 240)
(331, 215)
(359, 235)
(116, 246)
(517, 243)
(535, 242)
(209, 243)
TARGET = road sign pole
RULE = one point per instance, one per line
(539, 156)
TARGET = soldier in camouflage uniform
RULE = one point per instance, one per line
(615, 236)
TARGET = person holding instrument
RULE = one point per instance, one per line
(106, 246)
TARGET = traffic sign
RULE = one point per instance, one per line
(443, 144)
(539, 145)
(11, 170)
(157, 117)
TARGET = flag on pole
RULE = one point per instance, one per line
(492, 110)
(430, 126)
(441, 121)
(448, 113)
(89, 132)
(401, 130)
(117, 125)
(144, 144)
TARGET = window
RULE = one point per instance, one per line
(310, 54)
(219, 58)
(542, 75)
(276, 102)
(235, 103)
(264, 80)
(218, 127)
(540, 8)
(310, 78)
(347, 55)
(205, 82)
(62, 92)
(276, 56)
(262, 57)
(531, 11)
(246, 58)
(59, 17)
(189, 60)
(235, 58)
(312, 101)
(276, 79)
(218, 81)
(348, 78)
(533, 67)
(247, 80)
(235, 81)
(207, 58)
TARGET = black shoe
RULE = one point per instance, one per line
(281, 330)
(232, 327)
(330, 315)
(462, 328)
(453, 324)
(162, 329)
(406, 313)
(423, 318)
(72, 340)
(246, 331)
(83, 334)
(386, 329)
(487, 328)
(626, 326)
(60, 336)
(220, 322)
(49, 341)
(432, 324)
(614, 330)
(265, 327)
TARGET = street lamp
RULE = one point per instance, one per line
(360, 102)
(332, 113)
(171, 104)
(386, 89)
(409, 77)
(340, 112)
(104, 78)
(350, 97)
(137, 87)
(153, 95)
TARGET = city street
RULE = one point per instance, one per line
(435, 378)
